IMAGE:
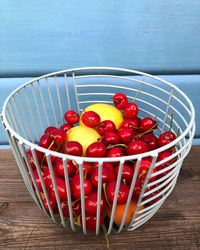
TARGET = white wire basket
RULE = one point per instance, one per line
(43, 101)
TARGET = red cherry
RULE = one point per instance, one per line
(45, 141)
(37, 179)
(52, 157)
(151, 139)
(91, 221)
(53, 205)
(59, 136)
(76, 187)
(61, 186)
(107, 175)
(125, 135)
(87, 169)
(110, 138)
(137, 147)
(144, 167)
(134, 123)
(96, 149)
(47, 176)
(138, 187)
(122, 194)
(49, 129)
(31, 159)
(161, 156)
(76, 207)
(147, 124)
(106, 126)
(115, 152)
(165, 138)
(127, 173)
(152, 195)
(72, 148)
(59, 167)
(91, 203)
(120, 100)
(91, 119)
(105, 164)
(131, 110)
(71, 117)
(66, 126)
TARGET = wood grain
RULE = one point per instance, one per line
(175, 226)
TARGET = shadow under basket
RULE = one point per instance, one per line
(42, 102)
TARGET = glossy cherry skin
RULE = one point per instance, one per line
(76, 207)
(66, 127)
(106, 126)
(59, 136)
(133, 124)
(125, 135)
(120, 100)
(147, 124)
(122, 194)
(131, 110)
(87, 169)
(138, 187)
(115, 152)
(91, 221)
(91, 119)
(59, 167)
(49, 129)
(152, 195)
(165, 138)
(127, 173)
(76, 187)
(161, 156)
(107, 176)
(96, 149)
(37, 179)
(151, 139)
(105, 164)
(137, 147)
(31, 158)
(45, 141)
(47, 175)
(71, 117)
(91, 203)
(72, 148)
(144, 167)
(61, 186)
(110, 138)
(53, 205)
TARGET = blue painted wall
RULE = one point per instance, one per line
(44, 36)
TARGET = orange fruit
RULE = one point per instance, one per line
(119, 212)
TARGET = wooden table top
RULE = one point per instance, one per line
(176, 225)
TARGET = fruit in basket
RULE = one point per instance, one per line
(125, 135)
(144, 168)
(131, 110)
(75, 186)
(137, 147)
(72, 148)
(107, 176)
(91, 203)
(165, 138)
(90, 119)
(110, 138)
(61, 187)
(96, 149)
(84, 135)
(133, 123)
(66, 126)
(122, 195)
(53, 205)
(91, 221)
(59, 168)
(148, 124)
(151, 139)
(106, 126)
(71, 117)
(106, 112)
(127, 173)
(120, 100)
(76, 208)
(119, 212)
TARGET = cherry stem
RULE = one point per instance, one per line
(146, 132)
(116, 145)
(47, 148)
(105, 234)
(143, 172)
(171, 122)
(124, 181)
(138, 91)
(96, 123)
(104, 190)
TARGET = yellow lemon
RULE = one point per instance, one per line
(84, 135)
(106, 112)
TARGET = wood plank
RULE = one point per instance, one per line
(175, 226)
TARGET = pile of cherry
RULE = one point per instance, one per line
(135, 136)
